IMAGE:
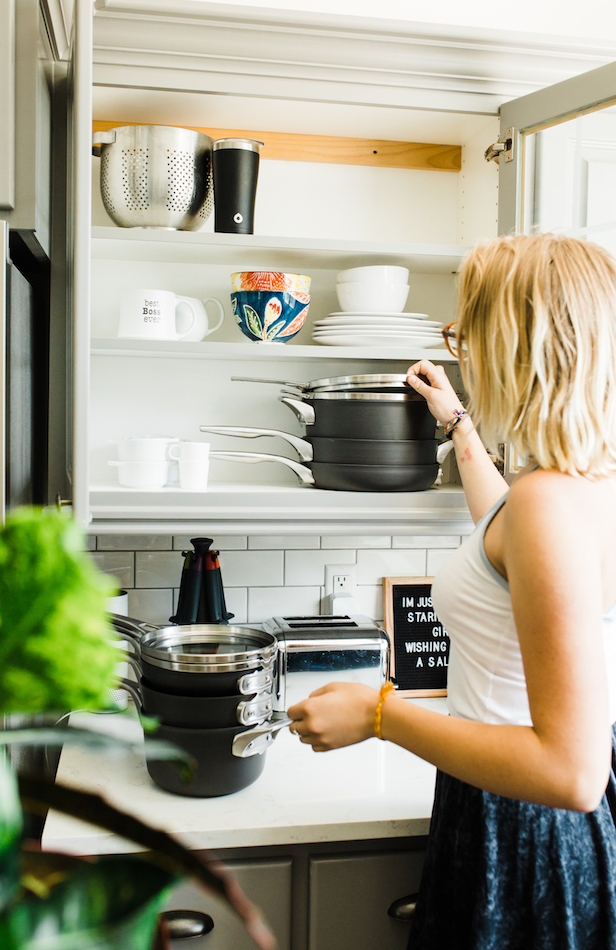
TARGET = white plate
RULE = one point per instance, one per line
(385, 327)
(384, 340)
(401, 320)
(376, 332)
(378, 313)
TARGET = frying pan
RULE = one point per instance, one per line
(354, 415)
(346, 451)
(201, 659)
(199, 712)
(377, 382)
(337, 476)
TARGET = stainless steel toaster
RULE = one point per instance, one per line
(313, 651)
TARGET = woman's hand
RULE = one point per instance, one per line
(440, 394)
(334, 716)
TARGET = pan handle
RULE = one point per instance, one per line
(443, 451)
(302, 410)
(301, 387)
(133, 690)
(301, 446)
(255, 741)
(304, 473)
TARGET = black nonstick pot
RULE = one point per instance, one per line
(199, 712)
(218, 771)
(202, 659)
(336, 476)
(346, 451)
(354, 415)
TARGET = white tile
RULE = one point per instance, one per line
(158, 569)
(236, 599)
(134, 542)
(369, 601)
(427, 541)
(181, 542)
(120, 564)
(266, 602)
(436, 559)
(373, 566)
(355, 541)
(155, 606)
(307, 568)
(282, 542)
(252, 568)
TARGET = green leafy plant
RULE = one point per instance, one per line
(57, 653)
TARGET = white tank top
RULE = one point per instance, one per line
(485, 680)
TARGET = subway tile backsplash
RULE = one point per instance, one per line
(269, 575)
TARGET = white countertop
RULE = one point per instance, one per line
(371, 790)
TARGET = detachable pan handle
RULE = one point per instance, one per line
(304, 412)
(255, 741)
(303, 448)
(305, 475)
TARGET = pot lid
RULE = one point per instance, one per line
(210, 645)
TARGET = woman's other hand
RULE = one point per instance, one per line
(334, 716)
(439, 394)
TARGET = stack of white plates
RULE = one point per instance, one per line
(374, 329)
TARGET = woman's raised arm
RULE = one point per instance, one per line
(483, 484)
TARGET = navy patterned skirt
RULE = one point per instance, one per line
(501, 874)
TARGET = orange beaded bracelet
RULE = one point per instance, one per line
(386, 689)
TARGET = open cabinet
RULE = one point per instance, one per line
(124, 387)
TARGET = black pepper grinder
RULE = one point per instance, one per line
(202, 598)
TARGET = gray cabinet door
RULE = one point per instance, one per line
(266, 883)
(563, 146)
(350, 896)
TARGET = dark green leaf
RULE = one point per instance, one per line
(166, 852)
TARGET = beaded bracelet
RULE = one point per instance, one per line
(385, 690)
(458, 416)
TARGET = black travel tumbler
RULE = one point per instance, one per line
(236, 168)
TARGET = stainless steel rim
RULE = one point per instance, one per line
(411, 396)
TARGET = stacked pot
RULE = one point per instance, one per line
(363, 433)
(207, 684)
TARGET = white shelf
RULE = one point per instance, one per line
(250, 250)
(162, 349)
(277, 509)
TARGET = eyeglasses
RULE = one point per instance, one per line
(452, 343)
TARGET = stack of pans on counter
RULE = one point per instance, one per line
(363, 433)
(211, 688)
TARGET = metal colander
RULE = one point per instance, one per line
(155, 176)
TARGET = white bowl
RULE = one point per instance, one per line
(144, 448)
(397, 275)
(142, 474)
(374, 297)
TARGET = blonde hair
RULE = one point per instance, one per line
(537, 314)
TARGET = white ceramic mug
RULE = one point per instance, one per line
(162, 315)
(144, 448)
(193, 473)
(189, 451)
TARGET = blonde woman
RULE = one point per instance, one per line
(522, 849)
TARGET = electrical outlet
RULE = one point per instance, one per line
(340, 579)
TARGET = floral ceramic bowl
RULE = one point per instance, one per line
(267, 316)
(271, 280)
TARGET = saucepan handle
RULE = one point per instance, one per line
(255, 741)
(305, 474)
(303, 448)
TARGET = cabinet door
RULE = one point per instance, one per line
(350, 896)
(266, 883)
(560, 172)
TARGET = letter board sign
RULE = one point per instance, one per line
(419, 642)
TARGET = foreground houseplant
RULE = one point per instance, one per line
(56, 654)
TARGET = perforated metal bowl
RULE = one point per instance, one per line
(155, 176)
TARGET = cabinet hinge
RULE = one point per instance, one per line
(501, 149)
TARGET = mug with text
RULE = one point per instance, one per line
(163, 315)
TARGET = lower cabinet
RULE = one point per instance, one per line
(350, 896)
(314, 897)
(266, 883)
